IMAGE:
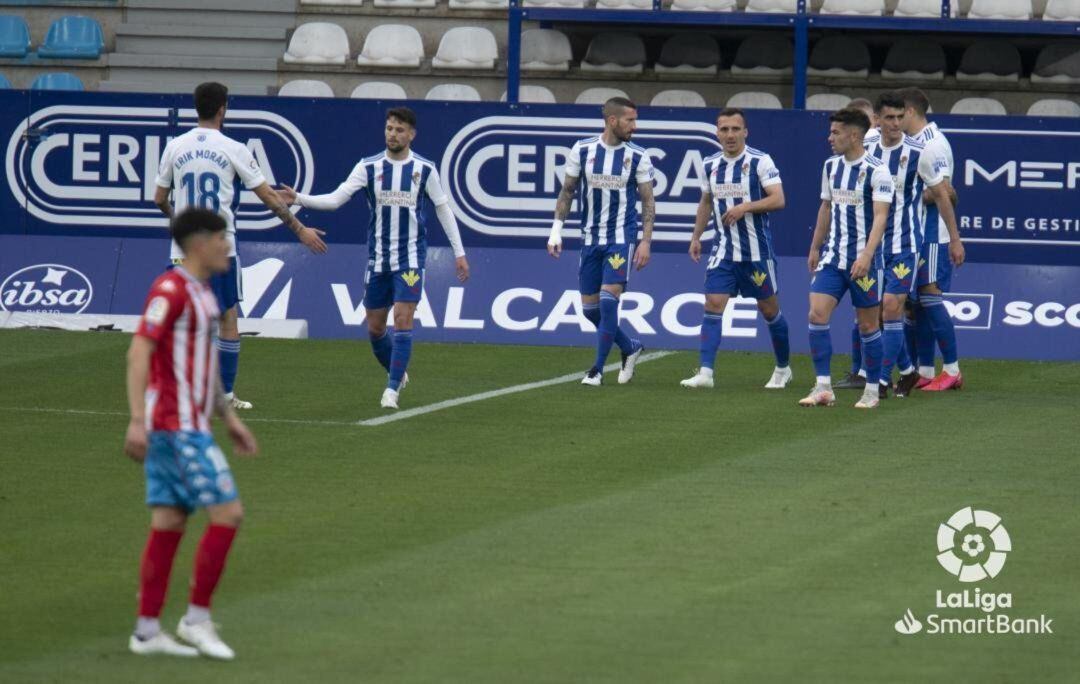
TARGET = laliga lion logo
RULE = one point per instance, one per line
(973, 545)
(46, 288)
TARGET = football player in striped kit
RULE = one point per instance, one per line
(740, 189)
(398, 184)
(856, 194)
(613, 174)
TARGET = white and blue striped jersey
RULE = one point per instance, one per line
(202, 167)
(852, 188)
(936, 144)
(732, 181)
(609, 179)
(396, 193)
(912, 170)
(872, 136)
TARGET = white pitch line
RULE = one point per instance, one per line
(491, 394)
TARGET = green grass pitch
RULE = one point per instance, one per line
(639, 533)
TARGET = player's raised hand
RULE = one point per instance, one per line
(695, 250)
(732, 215)
(312, 239)
(956, 253)
(242, 439)
(641, 255)
(135, 440)
(287, 194)
(462, 269)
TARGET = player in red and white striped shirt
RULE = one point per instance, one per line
(173, 391)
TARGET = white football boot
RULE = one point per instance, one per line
(626, 373)
(780, 378)
(700, 380)
(870, 398)
(203, 636)
(389, 399)
(161, 644)
(593, 378)
(237, 404)
(821, 395)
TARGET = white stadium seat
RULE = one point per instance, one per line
(379, 90)
(784, 6)
(545, 50)
(598, 95)
(554, 3)
(865, 7)
(343, 3)
(405, 3)
(766, 55)
(1062, 10)
(677, 98)
(1000, 9)
(1051, 107)
(923, 8)
(466, 47)
(533, 93)
(827, 102)
(479, 4)
(842, 56)
(978, 105)
(306, 88)
(1057, 63)
(624, 4)
(453, 91)
(619, 52)
(914, 59)
(318, 42)
(751, 99)
(690, 53)
(703, 5)
(395, 45)
(990, 60)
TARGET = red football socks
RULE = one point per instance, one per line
(157, 562)
(210, 562)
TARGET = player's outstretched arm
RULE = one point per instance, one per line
(138, 373)
(643, 251)
(562, 210)
(701, 222)
(821, 230)
(309, 237)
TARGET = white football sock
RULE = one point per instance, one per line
(147, 628)
(196, 614)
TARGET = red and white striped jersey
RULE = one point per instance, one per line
(181, 317)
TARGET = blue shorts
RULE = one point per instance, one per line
(865, 292)
(900, 274)
(935, 266)
(604, 265)
(228, 286)
(755, 279)
(383, 289)
(187, 470)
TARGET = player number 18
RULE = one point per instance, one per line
(207, 186)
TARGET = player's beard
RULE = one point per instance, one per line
(395, 147)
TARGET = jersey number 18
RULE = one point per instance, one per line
(207, 187)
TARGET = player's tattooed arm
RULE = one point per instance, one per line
(648, 210)
(566, 198)
(310, 237)
(161, 199)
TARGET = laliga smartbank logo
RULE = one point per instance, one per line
(972, 545)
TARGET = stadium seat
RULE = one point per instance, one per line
(624, 4)
(621, 52)
(678, 98)
(545, 50)
(785, 6)
(598, 95)
(478, 4)
(533, 93)
(57, 81)
(703, 5)
(466, 47)
(458, 92)
(345, 3)
(865, 7)
(913, 59)
(770, 55)
(922, 8)
(4, 83)
(754, 100)
(1053, 107)
(693, 53)
(554, 3)
(74, 37)
(14, 36)
(305, 87)
(405, 3)
(1062, 10)
(393, 45)
(318, 42)
(1057, 63)
(1000, 9)
(379, 90)
(827, 102)
(839, 56)
(978, 105)
(990, 60)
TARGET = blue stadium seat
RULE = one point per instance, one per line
(4, 83)
(73, 38)
(56, 81)
(14, 36)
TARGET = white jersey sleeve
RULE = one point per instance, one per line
(942, 153)
(356, 181)
(573, 167)
(705, 181)
(768, 174)
(826, 186)
(883, 184)
(930, 168)
(644, 169)
(435, 189)
(165, 166)
(245, 165)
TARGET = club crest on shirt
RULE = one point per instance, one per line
(903, 161)
(416, 177)
(862, 176)
(626, 163)
(746, 168)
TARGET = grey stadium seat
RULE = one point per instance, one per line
(923, 8)
(990, 60)
(1057, 63)
(752, 99)
(986, 106)
(865, 7)
(914, 58)
(533, 93)
(1000, 9)
(545, 50)
(827, 102)
(466, 47)
(1052, 107)
(703, 5)
(764, 55)
(624, 4)
(453, 91)
(306, 88)
(318, 42)
(379, 90)
(694, 53)
(839, 56)
(393, 45)
(1062, 10)
(678, 98)
(784, 6)
(598, 95)
(621, 52)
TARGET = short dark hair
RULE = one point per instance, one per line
(402, 114)
(210, 97)
(861, 103)
(891, 99)
(851, 117)
(192, 222)
(916, 99)
(620, 102)
(732, 111)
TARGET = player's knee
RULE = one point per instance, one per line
(892, 309)
(769, 307)
(615, 290)
(168, 519)
(230, 514)
(930, 289)
(376, 329)
(868, 327)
